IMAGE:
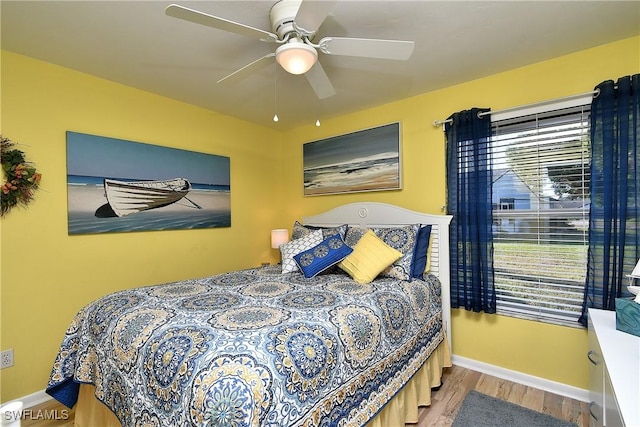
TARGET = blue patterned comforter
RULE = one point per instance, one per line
(251, 348)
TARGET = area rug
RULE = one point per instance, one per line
(480, 410)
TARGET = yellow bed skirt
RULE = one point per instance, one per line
(402, 409)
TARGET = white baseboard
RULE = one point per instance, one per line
(525, 379)
(31, 400)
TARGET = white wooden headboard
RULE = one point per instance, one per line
(374, 214)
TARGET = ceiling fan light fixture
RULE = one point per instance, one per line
(296, 57)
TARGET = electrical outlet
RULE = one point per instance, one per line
(6, 358)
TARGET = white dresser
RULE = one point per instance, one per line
(614, 384)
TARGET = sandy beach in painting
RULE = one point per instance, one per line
(84, 200)
(388, 182)
(367, 175)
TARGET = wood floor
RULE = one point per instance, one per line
(48, 414)
(445, 402)
(457, 381)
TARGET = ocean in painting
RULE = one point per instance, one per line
(372, 173)
(86, 196)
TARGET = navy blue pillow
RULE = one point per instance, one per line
(329, 252)
(420, 252)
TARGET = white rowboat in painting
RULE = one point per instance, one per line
(130, 197)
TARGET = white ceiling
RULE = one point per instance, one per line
(136, 44)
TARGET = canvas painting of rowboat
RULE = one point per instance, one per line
(115, 185)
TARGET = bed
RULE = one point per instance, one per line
(259, 347)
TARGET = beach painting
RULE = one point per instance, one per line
(365, 160)
(116, 186)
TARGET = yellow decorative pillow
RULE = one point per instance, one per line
(369, 258)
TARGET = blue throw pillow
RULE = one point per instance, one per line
(420, 255)
(329, 252)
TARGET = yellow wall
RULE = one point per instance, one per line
(47, 275)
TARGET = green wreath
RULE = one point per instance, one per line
(21, 177)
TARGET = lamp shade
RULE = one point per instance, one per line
(279, 237)
(296, 57)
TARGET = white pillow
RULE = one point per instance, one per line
(294, 247)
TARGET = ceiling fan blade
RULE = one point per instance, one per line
(319, 81)
(367, 48)
(311, 15)
(248, 69)
(202, 18)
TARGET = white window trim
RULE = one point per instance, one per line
(542, 107)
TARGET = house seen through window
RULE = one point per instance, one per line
(541, 214)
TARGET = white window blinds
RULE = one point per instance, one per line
(541, 214)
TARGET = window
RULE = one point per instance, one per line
(541, 214)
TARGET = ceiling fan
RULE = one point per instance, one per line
(294, 24)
